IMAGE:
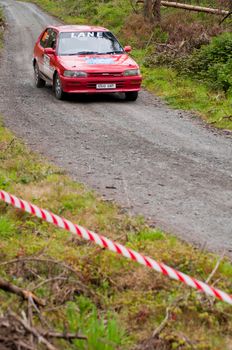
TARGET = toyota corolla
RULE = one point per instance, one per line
(84, 59)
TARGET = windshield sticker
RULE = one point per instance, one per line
(87, 35)
(96, 60)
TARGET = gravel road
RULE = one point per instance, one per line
(150, 159)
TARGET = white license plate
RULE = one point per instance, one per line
(106, 86)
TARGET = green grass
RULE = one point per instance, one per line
(103, 333)
(7, 228)
(114, 302)
(183, 93)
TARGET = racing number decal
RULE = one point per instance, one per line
(46, 61)
(48, 68)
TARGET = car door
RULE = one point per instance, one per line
(49, 60)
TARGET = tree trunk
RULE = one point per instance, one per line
(148, 11)
(156, 9)
(193, 8)
(230, 5)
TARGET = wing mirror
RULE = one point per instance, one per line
(49, 51)
(127, 49)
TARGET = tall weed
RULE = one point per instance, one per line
(102, 333)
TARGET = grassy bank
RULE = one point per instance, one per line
(214, 107)
(112, 301)
(187, 94)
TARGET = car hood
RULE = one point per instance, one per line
(98, 62)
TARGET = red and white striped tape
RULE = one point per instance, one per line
(114, 247)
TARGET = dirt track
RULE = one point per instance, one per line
(152, 160)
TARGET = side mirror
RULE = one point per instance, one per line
(127, 49)
(49, 51)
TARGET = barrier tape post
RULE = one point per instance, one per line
(114, 247)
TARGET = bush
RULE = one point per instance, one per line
(221, 75)
(213, 62)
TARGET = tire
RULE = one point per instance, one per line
(131, 95)
(39, 82)
(59, 93)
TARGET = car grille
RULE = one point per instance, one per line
(103, 74)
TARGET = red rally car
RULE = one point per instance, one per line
(84, 59)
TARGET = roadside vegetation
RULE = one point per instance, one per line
(115, 303)
(171, 52)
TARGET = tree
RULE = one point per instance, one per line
(230, 5)
(148, 11)
(156, 9)
(152, 11)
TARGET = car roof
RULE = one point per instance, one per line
(78, 28)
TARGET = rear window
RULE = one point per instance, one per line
(77, 43)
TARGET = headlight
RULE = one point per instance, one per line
(74, 74)
(131, 72)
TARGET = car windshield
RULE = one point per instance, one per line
(84, 43)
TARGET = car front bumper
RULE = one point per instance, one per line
(89, 85)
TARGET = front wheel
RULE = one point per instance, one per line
(39, 82)
(131, 95)
(59, 93)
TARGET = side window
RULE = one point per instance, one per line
(44, 38)
(51, 41)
